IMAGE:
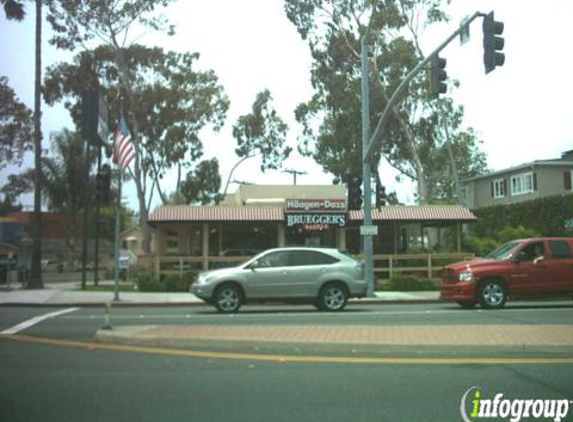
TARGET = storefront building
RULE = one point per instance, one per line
(256, 218)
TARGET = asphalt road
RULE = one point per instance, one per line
(56, 382)
(83, 323)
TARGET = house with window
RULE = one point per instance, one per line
(521, 183)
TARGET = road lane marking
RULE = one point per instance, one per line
(286, 358)
(315, 315)
(36, 320)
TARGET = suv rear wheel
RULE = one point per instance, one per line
(492, 294)
(332, 297)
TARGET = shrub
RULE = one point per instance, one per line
(146, 282)
(176, 283)
(479, 246)
(408, 283)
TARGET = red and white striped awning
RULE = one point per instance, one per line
(417, 214)
(188, 213)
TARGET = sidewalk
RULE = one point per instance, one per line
(65, 294)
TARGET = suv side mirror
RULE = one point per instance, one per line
(520, 257)
(254, 265)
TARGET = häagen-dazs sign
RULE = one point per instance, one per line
(315, 213)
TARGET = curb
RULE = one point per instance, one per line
(359, 302)
(129, 336)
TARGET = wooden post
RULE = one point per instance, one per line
(430, 265)
(205, 246)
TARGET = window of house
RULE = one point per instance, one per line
(522, 184)
(499, 188)
(568, 180)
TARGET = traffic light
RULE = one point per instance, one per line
(354, 184)
(103, 182)
(438, 76)
(492, 44)
(381, 198)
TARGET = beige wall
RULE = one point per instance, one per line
(276, 194)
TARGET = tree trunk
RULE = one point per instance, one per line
(35, 281)
(453, 164)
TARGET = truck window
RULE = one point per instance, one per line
(534, 251)
(503, 251)
(559, 249)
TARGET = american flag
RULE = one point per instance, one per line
(124, 151)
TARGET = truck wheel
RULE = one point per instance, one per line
(492, 294)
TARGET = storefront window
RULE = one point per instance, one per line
(247, 239)
(183, 241)
(171, 242)
(300, 237)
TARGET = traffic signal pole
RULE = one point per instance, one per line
(396, 96)
(369, 144)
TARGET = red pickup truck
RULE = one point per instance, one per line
(526, 268)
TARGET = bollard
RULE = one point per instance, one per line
(107, 317)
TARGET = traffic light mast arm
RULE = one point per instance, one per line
(374, 140)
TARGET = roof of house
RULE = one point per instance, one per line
(526, 166)
(186, 213)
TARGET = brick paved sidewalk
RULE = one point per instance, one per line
(453, 335)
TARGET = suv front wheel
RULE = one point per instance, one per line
(492, 294)
(228, 298)
(332, 297)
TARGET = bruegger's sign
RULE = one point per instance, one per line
(315, 214)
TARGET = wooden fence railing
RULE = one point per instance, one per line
(385, 266)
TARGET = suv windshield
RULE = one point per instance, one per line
(503, 251)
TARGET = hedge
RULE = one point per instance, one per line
(545, 216)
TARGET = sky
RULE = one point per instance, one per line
(521, 111)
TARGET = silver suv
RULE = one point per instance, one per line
(324, 277)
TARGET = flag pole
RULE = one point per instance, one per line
(116, 249)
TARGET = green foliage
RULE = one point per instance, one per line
(173, 103)
(415, 134)
(75, 22)
(511, 233)
(408, 283)
(15, 127)
(146, 281)
(202, 184)
(175, 283)
(14, 10)
(262, 132)
(543, 216)
(479, 246)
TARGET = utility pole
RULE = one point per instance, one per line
(294, 174)
(367, 208)
(396, 96)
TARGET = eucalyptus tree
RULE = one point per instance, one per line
(16, 127)
(14, 9)
(78, 23)
(173, 102)
(262, 132)
(331, 119)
